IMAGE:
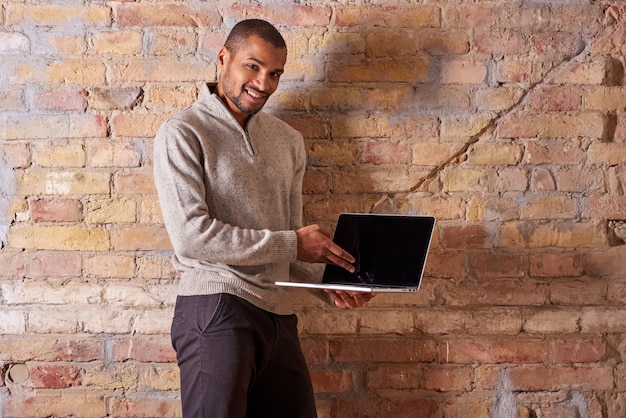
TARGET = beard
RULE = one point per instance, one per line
(237, 98)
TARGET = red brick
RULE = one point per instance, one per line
(582, 291)
(129, 183)
(56, 265)
(556, 265)
(316, 182)
(488, 351)
(555, 98)
(316, 352)
(448, 379)
(448, 265)
(605, 263)
(382, 350)
(382, 152)
(577, 350)
(557, 44)
(56, 210)
(395, 377)
(61, 99)
(15, 155)
(500, 42)
(54, 376)
(506, 292)
(50, 349)
(398, 408)
(327, 381)
(14, 264)
(468, 236)
(499, 266)
(156, 349)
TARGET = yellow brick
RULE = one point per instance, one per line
(304, 69)
(552, 125)
(606, 153)
(112, 154)
(83, 72)
(378, 180)
(110, 266)
(52, 126)
(150, 212)
(605, 98)
(500, 98)
(463, 127)
(66, 404)
(557, 207)
(57, 15)
(463, 72)
(297, 44)
(336, 98)
(332, 154)
(140, 238)
(430, 154)
(388, 16)
(591, 73)
(64, 183)
(467, 180)
(125, 42)
(136, 125)
(162, 70)
(495, 154)
(64, 238)
(389, 44)
(110, 211)
(491, 209)
(70, 155)
(349, 69)
(122, 376)
(337, 43)
(177, 97)
(443, 207)
(360, 127)
(390, 98)
(568, 235)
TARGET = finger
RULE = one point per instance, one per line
(341, 253)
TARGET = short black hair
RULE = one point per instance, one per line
(246, 28)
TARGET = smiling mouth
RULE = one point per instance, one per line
(255, 95)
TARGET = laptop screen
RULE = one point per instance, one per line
(390, 250)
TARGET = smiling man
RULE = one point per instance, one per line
(229, 179)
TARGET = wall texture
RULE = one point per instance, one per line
(505, 119)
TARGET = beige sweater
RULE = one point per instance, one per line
(231, 201)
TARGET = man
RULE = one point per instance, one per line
(229, 178)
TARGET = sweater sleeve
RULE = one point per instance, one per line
(193, 232)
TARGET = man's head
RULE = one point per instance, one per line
(251, 63)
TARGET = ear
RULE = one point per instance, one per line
(223, 56)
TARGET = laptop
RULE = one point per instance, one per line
(390, 253)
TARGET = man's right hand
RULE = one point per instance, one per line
(315, 246)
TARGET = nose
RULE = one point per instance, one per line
(263, 82)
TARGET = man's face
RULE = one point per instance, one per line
(249, 76)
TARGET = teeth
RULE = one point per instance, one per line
(256, 96)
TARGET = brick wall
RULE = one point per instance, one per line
(507, 120)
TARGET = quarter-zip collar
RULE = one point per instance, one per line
(208, 94)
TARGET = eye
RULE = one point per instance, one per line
(253, 67)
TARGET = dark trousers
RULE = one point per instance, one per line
(237, 360)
